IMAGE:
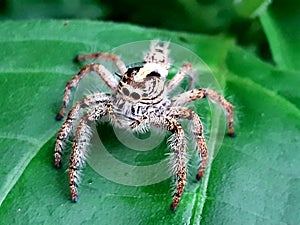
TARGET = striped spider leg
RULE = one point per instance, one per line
(193, 95)
(177, 142)
(212, 95)
(104, 74)
(91, 101)
(185, 70)
(98, 105)
(80, 143)
(179, 113)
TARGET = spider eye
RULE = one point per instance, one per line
(135, 96)
(153, 74)
(125, 91)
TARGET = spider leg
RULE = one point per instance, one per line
(177, 143)
(94, 100)
(105, 56)
(80, 144)
(197, 130)
(106, 75)
(200, 93)
(186, 69)
(138, 122)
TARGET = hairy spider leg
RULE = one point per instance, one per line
(200, 93)
(197, 130)
(177, 143)
(81, 141)
(104, 56)
(106, 76)
(91, 101)
(185, 70)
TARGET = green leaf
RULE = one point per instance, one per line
(281, 23)
(254, 175)
(254, 179)
(283, 82)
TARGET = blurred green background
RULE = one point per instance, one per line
(233, 18)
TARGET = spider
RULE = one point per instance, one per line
(139, 99)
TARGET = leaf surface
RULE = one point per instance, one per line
(254, 175)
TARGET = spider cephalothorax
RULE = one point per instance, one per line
(143, 83)
(138, 99)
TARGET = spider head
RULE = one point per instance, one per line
(142, 83)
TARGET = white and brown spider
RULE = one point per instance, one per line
(138, 99)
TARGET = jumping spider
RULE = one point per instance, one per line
(138, 99)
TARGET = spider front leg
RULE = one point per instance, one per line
(91, 101)
(177, 142)
(197, 129)
(104, 74)
(200, 93)
(104, 56)
(185, 70)
(80, 144)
